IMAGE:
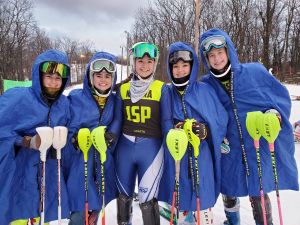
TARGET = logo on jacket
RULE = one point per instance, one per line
(143, 190)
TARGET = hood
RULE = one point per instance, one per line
(232, 54)
(99, 55)
(49, 55)
(179, 46)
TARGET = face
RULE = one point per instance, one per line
(51, 82)
(144, 66)
(102, 80)
(181, 69)
(217, 58)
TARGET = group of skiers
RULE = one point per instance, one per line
(138, 115)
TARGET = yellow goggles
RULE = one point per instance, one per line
(54, 67)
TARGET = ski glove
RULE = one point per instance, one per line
(225, 148)
(297, 133)
(75, 141)
(200, 129)
(275, 112)
(109, 138)
(32, 142)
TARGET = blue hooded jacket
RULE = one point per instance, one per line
(85, 113)
(203, 105)
(22, 110)
(254, 89)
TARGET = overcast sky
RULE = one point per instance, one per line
(101, 21)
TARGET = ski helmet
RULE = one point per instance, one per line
(139, 50)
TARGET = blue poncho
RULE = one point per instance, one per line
(85, 113)
(22, 110)
(201, 104)
(254, 89)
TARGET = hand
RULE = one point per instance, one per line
(200, 129)
(32, 142)
(75, 141)
(297, 132)
(109, 138)
(275, 112)
(225, 148)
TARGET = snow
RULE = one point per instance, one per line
(290, 200)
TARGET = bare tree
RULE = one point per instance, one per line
(16, 24)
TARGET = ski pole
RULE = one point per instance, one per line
(252, 119)
(84, 143)
(98, 140)
(177, 144)
(270, 128)
(46, 136)
(195, 142)
(60, 134)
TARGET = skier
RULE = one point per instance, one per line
(22, 110)
(244, 88)
(297, 131)
(144, 111)
(91, 107)
(193, 99)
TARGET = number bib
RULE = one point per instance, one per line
(142, 119)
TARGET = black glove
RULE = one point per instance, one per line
(75, 141)
(200, 129)
(109, 138)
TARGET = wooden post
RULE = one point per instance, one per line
(197, 25)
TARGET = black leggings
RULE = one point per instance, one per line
(231, 202)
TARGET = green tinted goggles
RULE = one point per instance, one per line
(142, 49)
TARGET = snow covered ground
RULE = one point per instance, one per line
(290, 200)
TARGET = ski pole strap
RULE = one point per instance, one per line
(239, 127)
(192, 137)
(84, 141)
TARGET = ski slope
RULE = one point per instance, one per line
(290, 200)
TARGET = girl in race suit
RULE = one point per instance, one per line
(22, 110)
(143, 108)
(91, 107)
(193, 99)
(243, 88)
